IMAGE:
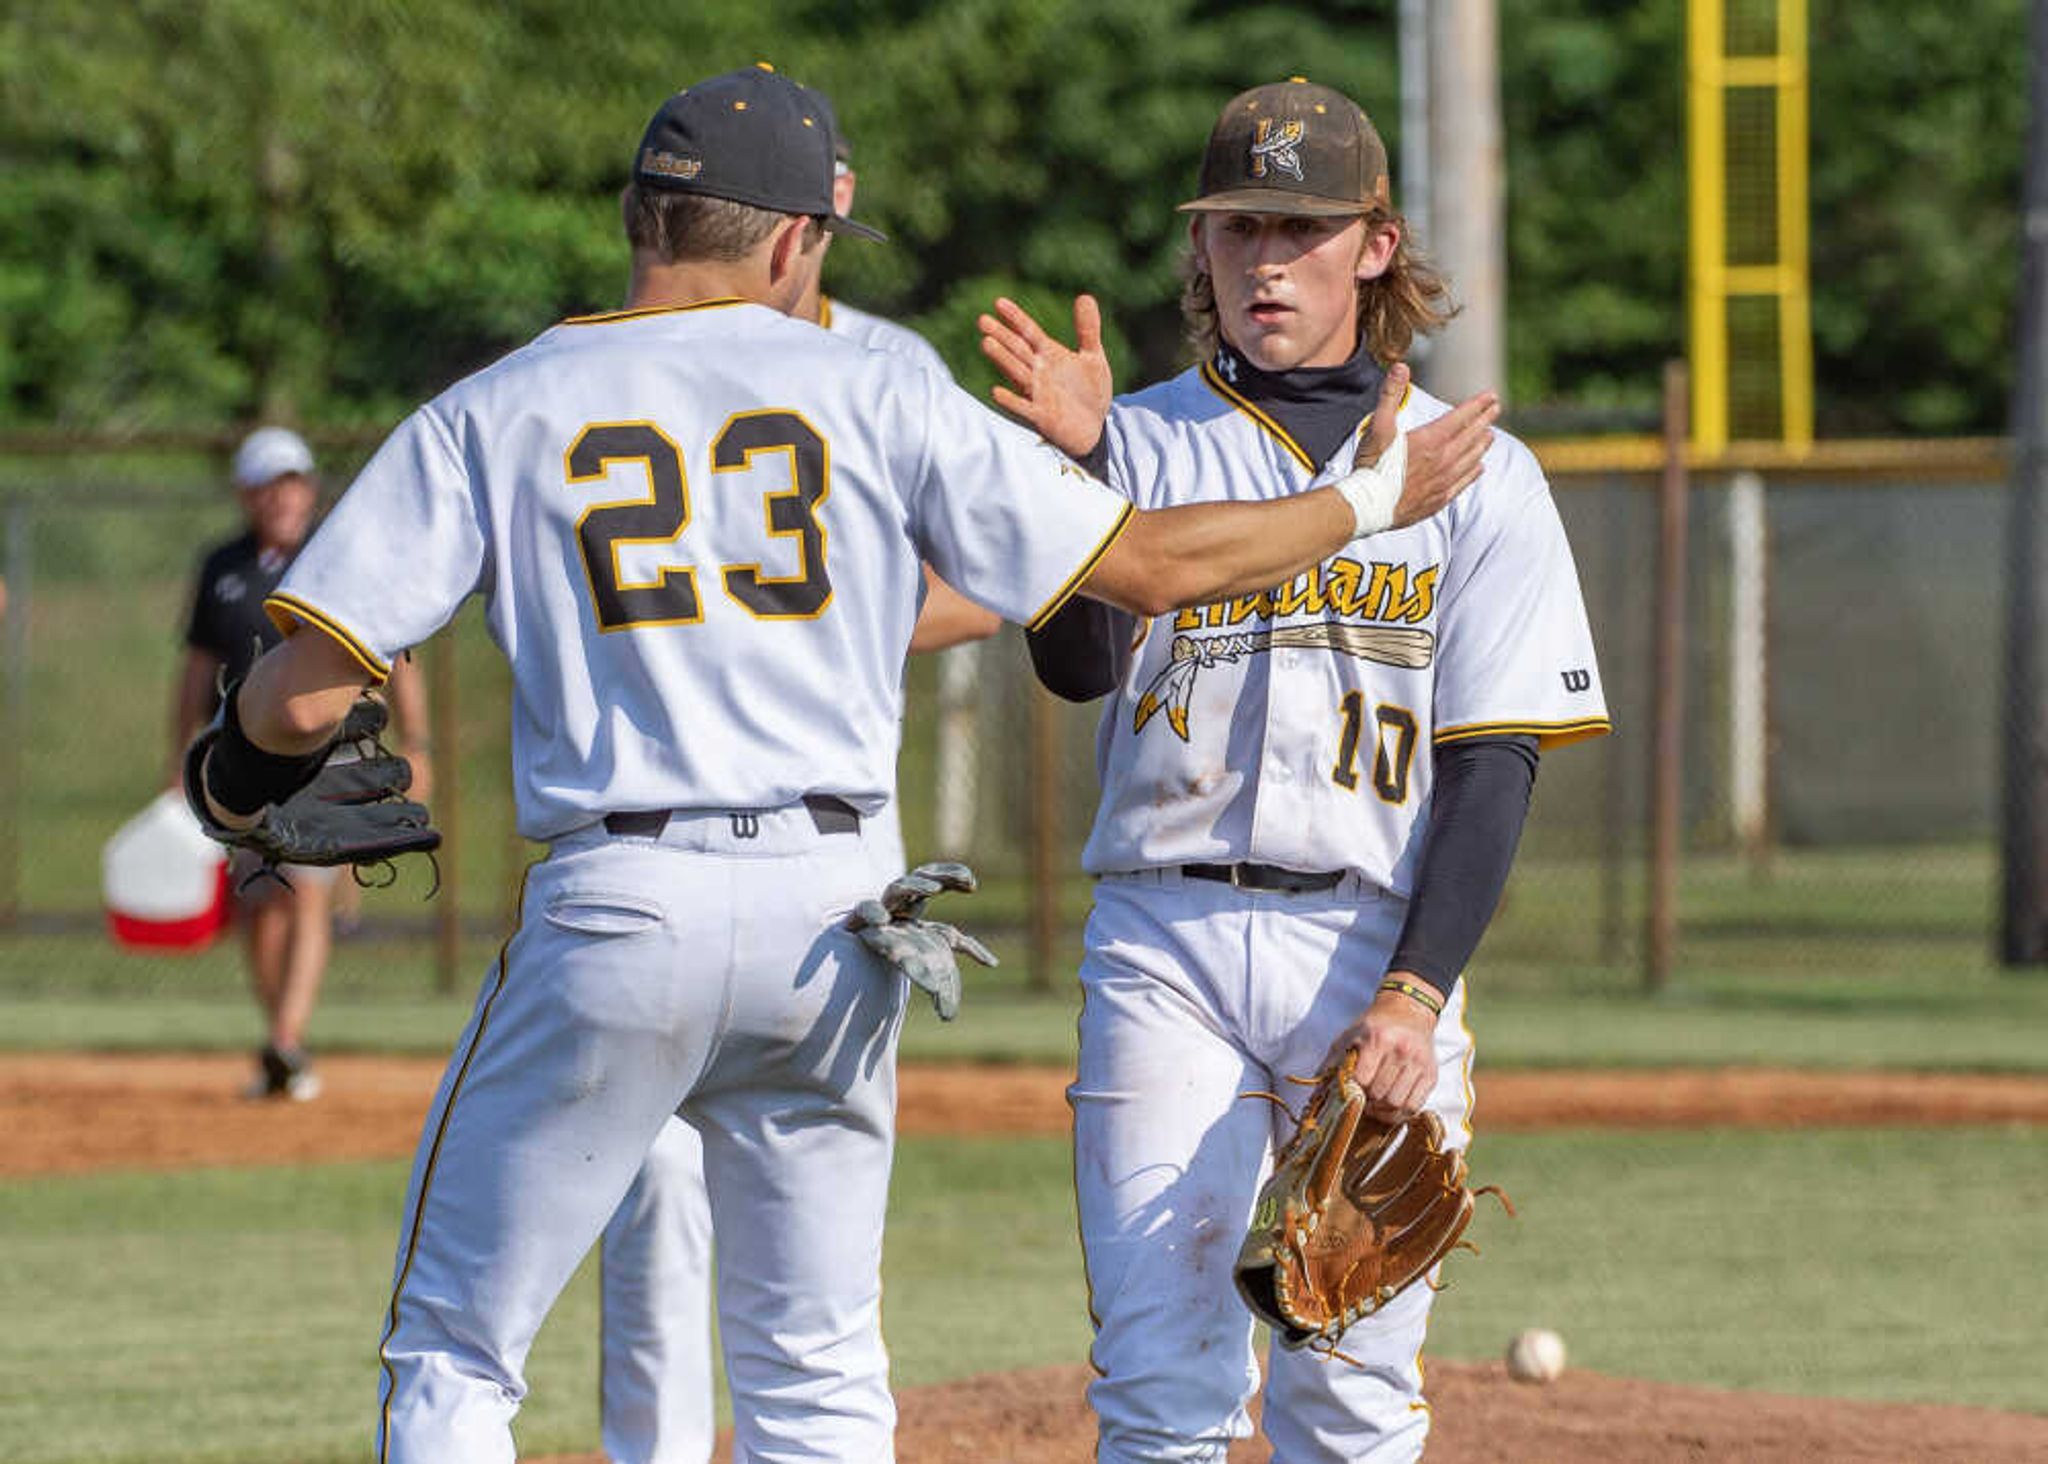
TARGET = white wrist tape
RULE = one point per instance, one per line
(1375, 492)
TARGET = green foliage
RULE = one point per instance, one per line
(1593, 110)
(1919, 116)
(225, 209)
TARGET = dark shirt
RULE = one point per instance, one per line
(227, 618)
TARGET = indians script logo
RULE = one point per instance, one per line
(1279, 148)
(1343, 588)
(670, 165)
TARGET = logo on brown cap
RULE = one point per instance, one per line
(1292, 147)
(1279, 150)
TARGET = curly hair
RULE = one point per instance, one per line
(1410, 298)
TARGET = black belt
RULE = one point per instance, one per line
(829, 812)
(1270, 878)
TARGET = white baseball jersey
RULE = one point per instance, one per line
(663, 552)
(878, 334)
(1293, 727)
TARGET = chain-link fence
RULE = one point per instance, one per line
(1841, 703)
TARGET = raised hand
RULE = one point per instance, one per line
(1442, 458)
(1060, 393)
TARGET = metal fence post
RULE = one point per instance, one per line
(1667, 768)
(1749, 672)
(14, 707)
(1621, 552)
(2023, 937)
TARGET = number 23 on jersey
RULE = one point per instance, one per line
(663, 516)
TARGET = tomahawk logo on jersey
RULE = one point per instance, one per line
(1305, 713)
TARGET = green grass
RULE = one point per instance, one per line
(1791, 1262)
(231, 1315)
(82, 993)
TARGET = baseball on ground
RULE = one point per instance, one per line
(1536, 1356)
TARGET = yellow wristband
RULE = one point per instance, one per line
(1422, 994)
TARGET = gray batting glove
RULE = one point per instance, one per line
(923, 951)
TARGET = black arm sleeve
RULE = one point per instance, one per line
(1084, 651)
(1480, 801)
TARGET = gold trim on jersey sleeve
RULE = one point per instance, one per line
(1547, 734)
(1230, 394)
(289, 612)
(1076, 579)
(608, 317)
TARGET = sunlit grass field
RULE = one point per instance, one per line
(232, 1315)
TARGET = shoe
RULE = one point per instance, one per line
(284, 1073)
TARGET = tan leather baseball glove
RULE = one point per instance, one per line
(1356, 1212)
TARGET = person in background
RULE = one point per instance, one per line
(287, 923)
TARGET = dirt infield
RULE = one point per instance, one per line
(1040, 1417)
(69, 1113)
(72, 1113)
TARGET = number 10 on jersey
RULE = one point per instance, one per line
(672, 597)
(1393, 746)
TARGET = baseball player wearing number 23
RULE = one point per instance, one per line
(1311, 795)
(697, 525)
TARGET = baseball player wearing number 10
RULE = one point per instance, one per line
(1311, 795)
(697, 525)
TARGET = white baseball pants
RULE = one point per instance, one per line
(656, 1279)
(701, 973)
(656, 1282)
(1195, 993)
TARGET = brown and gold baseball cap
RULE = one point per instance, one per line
(1293, 147)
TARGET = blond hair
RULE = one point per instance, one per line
(1410, 298)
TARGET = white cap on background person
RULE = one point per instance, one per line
(270, 453)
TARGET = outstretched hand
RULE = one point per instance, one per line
(1062, 394)
(1443, 458)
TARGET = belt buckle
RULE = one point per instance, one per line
(1237, 880)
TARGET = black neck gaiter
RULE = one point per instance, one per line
(1318, 406)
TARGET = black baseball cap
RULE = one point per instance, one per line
(751, 136)
(1293, 147)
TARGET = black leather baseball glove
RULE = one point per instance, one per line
(351, 809)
